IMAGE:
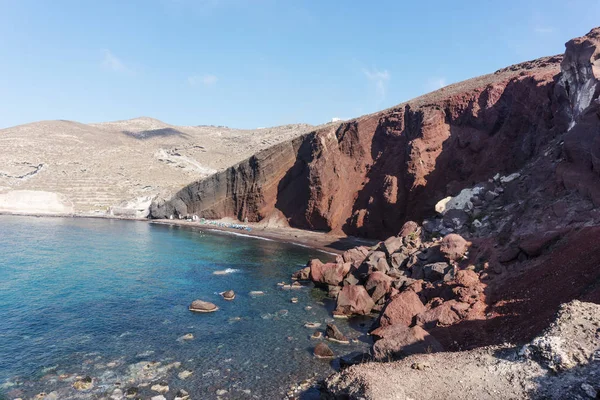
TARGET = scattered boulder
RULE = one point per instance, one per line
(160, 387)
(323, 351)
(397, 341)
(353, 299)
(377, 261)
(356, 255)
(454, 247)
(378, 285)
(391, 245)
(182, 395)
(228, 295)
(467, 278)
(534, 245)
(442, 315)
(397, 260)
(333, 334)
(455, 218)
(410, 228)
(437, 272)
(302, 275)
(402, 309)
(187, 336)
(328, 274)
(202, 306)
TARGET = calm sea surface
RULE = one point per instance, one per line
(109, 299)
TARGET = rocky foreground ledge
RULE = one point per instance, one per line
(562, 363)
(430, 292)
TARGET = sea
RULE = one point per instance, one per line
(105, 303)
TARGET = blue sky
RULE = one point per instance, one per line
(254, 63)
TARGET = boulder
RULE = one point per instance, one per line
(402, 309)
(534, 245)
(202, 306)
(509, 254)
(333, 291)
(397, 260)
(328, 274)
(378, 285)
(302, 275)
(356, 255)
(436, 271)
(353, 299)
(467, 278)
(333, 333)
(454, 247)
(392, 245)
(397, 341)
(410, 228)
(323, 351)
(228, 295)
(375, 262)
(455, 218)
(442, 315)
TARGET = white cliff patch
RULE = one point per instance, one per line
(174, 158)
(35, 202)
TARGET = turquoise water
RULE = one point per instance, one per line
(109, 299)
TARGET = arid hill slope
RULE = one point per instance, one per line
(69, 167)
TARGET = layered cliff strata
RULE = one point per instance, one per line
(366, 176)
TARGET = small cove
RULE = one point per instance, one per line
(108, 299)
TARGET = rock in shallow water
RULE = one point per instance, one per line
(83, 383)
(335, 335)
(203, 306)
(228, 295)
(323, 351)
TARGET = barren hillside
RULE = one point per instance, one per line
(65, 167)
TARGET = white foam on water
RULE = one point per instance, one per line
(241, 234)
(226, 271)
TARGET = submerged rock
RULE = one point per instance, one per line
(85, 383)
(202, 306)
(323, 351)
(228, 295)
(335, 335)
(160, 387)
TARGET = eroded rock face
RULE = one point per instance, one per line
(366, 176)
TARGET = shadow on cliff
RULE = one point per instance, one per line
(294, 191)
(476, 143)
(521, 307)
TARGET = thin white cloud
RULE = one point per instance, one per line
(379, 79)
(206, 80)
(435, 83)
(543, 30)
(112, 62)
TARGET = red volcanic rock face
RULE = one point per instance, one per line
(365, 177)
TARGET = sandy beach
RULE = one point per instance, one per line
(326, 242)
